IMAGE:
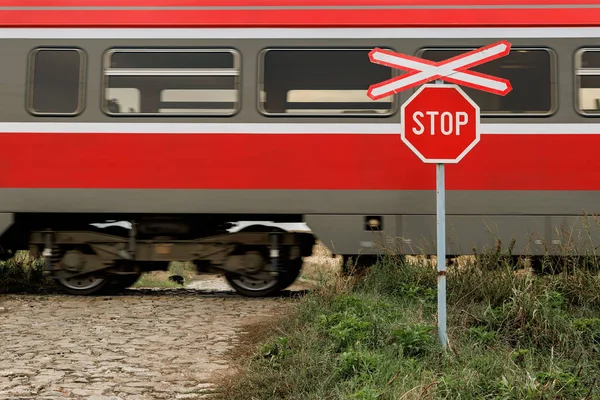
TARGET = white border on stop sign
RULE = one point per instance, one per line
(477, 123)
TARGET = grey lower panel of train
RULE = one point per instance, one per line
(363, 202)
(416, 234)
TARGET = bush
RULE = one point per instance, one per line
(23, 274)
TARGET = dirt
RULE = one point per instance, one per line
(144, 344)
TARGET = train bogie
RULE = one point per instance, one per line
(256, 260)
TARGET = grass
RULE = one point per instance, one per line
(512, 335)
(23, 274)
(160, 279)
(321, 266)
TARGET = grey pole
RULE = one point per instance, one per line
(440, 194)
(441, 252)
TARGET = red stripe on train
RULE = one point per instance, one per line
(302, 18)
(276, 3)
(290, 161)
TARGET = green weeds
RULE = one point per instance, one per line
(160, 279)
(22, 274)
(512, 335)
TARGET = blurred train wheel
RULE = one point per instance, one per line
(83, 285)
(265, 287)
(250, 287)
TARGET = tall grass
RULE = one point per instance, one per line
(512, 335)
(160, 279)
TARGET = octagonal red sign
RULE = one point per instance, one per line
(440, 123)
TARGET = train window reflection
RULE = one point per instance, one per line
(321, 82)
(587, 81)
(531, 72)
(56, 84)
(189, 82)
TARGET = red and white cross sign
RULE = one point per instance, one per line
(454, 70)
(440, 123)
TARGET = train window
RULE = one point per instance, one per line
(587, 77)
(531, 72)
(321, 82)
(173, 82)
(56, 83)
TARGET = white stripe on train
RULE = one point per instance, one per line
(276, 128)
(298, 33)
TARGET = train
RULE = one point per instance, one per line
(136, 133)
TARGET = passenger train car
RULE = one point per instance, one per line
(134, 132)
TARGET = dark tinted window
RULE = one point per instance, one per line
(590, 58)
(171, 82)
(530, 72)
(324, 81)
(587, 72)
(56, 81)
(172, 59)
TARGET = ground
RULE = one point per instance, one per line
(155, 344)
(149, 343)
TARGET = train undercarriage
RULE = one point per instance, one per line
(90, 254)
(87, 258)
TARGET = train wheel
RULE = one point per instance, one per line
(253, 287)
(250, 287)
(83, 285)
(264, 287)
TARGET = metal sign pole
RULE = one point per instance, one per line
(441, 251)
(440, 198)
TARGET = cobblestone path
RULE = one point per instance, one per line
(145, 344)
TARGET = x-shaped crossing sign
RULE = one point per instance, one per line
(453, 70)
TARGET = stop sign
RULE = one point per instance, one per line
(440, 123)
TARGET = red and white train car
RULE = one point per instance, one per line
(181, 116)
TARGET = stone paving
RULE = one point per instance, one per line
(144, 344)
